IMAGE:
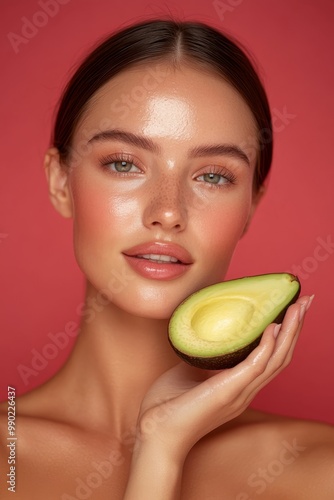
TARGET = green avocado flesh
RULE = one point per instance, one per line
(218, 326)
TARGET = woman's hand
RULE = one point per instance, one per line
(187, 403)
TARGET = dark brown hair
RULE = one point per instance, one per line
(178, 42)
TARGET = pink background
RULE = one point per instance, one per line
(41, 286)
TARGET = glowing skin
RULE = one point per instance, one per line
(164, 197)
(169, 117)
(123, 398)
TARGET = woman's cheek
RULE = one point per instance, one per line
(96, 203)
(94, 222)
(222, 228)
(90, 215)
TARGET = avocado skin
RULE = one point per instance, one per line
(231, 359)
(219, 362)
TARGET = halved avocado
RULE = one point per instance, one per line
(219, 325)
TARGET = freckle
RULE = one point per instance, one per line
(167, 192)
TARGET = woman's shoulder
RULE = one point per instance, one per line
(38, 414)
(260, 452)
(25, 412)
(50, 453)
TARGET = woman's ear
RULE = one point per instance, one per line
(257, 196)
(57, 179)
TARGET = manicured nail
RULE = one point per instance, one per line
(277, 329)
(302, 311)
(309, 302)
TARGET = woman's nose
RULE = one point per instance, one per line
(166, 207)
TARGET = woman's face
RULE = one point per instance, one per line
(161, 188)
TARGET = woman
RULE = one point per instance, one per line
(161, 147)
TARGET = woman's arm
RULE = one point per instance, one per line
(154, 473)
(186, 403)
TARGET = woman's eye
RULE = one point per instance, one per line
(212, 178)
(124, 166)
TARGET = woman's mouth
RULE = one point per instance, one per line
(159, 260)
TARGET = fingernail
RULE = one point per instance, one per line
(277, 329)
(309, 302)
(302, 311)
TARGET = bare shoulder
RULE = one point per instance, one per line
(57, 457)
(314, 471)
(261, 453)
(19, 424)
(38, 439)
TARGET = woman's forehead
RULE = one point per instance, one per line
(163, 102)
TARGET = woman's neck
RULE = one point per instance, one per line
(116, 359)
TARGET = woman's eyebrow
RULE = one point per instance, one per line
(220, 150)
(146, 143)
(128, 137)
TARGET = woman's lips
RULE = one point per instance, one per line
(161, 248)
(158, 260)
